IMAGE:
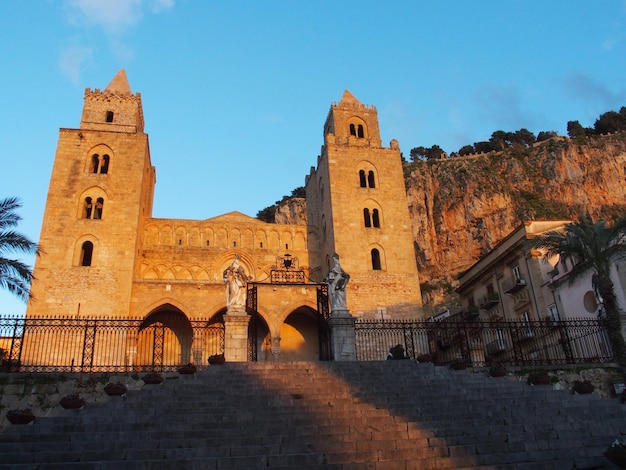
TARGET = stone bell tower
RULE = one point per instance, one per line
(357, 208)
(100, 194)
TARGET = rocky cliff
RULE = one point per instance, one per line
(291, 211)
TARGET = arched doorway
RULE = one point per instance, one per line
(164, 340)
(303, 335)
(300, 336)
(212, 336)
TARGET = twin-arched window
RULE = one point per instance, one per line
(367, 180)
(93, 209)
(99, 164)
(371, 219)
(357, 130)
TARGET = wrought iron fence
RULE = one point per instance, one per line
(515, 343)
(168, 341)
(107, 344)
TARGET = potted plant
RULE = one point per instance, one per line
(497, 370)
(396, 352)
(20, 416)
(217, 359)
(460, 364)
(115, 389)
(72, 401)
(187, 369)
(153, 378)
(424, 358)
(582, 387)
(539, 377)
(616, 453)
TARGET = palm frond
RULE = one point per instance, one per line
(14, 241)
(8, 216)
(15, 277)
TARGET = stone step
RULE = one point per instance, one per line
(394, 414)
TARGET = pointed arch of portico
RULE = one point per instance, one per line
(164, 337)
(264, 315)
(293, 306)
(162, 303)
(300, 335)
(275, 320)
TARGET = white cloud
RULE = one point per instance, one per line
(157, 6)
(113, 18)
(272, 117)
(609, 44)
(73, 60)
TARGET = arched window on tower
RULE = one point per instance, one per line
(367, 218)
(360, 134)
(104, 168)
(371, 181)
(362, 180)
(86, 253)
(352, 130)
(109, 117)
(95, 163)
(87, 208)
(97, 212)
(376, 266)
(375, 218)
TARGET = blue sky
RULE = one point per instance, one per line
(235, 93)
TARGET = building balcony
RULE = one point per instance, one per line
(521, 301)
(490, 300)
(514, 285)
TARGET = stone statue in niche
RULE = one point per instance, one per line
(337, 280)
(235, 280)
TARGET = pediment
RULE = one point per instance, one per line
(234, 217)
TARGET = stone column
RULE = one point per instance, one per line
(275, 348)
(197, 348)
(236, 335)
(342, 335)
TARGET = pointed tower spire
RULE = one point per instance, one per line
(114, 109)
(119, 85)
(348, 98)
(352, 122)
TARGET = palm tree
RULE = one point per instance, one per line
(593, 246)
(15, 276)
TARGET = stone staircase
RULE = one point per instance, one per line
(314, 415)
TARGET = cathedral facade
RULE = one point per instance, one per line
(105, 255)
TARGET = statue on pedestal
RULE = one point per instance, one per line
(235, 280)
(337, 280)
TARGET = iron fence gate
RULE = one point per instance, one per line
(520, 343)
(122, 345)
(106, 344)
